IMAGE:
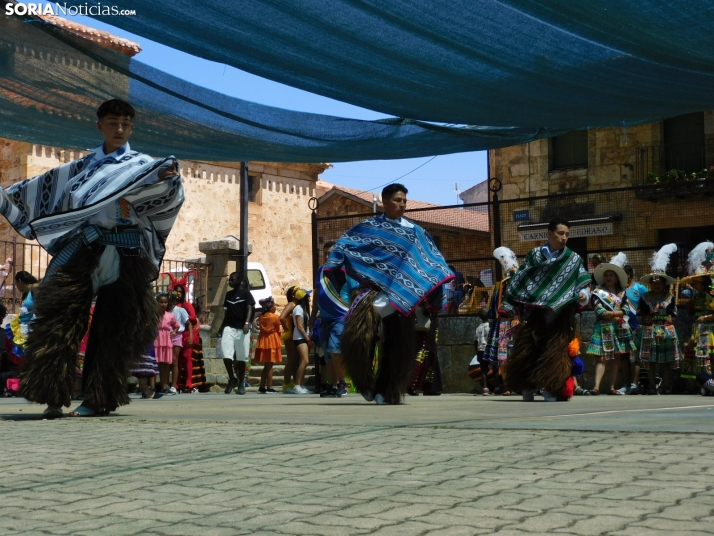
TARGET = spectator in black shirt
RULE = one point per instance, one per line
(235, 331)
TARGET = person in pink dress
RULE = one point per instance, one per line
(163, 345)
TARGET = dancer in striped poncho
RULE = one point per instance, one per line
(104, 218)
(545, 288)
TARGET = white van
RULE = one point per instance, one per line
(259, 284)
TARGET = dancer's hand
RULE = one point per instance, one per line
(169, 171)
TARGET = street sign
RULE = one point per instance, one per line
(521, 215)
(576, 231)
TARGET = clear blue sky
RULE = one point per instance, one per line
(434, 182)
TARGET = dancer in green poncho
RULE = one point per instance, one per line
(547, 289)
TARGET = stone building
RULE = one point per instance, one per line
(563, 175)
(478, 193)
(461, 235)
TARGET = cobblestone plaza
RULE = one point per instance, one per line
(280, 465)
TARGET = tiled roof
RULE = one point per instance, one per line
(126, 47)
(451, 217)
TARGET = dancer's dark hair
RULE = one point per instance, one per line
(553, 225)
(391, 189)
(115, 107)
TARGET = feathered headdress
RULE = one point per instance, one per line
(697, 258)
(178, 282)
(659, 263)
(507, 258)
(616, 264)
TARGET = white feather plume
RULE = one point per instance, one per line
(619, 260)
(660, 260)
(507, 258)
(696, 258)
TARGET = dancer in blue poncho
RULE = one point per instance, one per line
(399, 268)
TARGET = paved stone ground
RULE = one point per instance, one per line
(280, 465)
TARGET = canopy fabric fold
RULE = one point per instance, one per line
(552, 64)
(52, 81)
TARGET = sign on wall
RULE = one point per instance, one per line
(521, 215)
(576, 231)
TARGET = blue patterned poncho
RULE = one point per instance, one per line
(401, 261)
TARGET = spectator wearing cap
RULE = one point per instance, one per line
(301, 339)
(268, 347)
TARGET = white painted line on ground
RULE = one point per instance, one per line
(624, 411)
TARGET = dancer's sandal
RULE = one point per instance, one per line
(86, 411)
(593, 392)
(52, 412)
(614, 392)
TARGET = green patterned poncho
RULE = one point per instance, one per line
(553, 283)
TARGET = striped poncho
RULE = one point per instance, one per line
(540, 282)
(102, 192)
(400, 260)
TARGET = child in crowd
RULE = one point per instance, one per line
(480, 343)
(146, 371)
(167, 329)
(611, 339)
(286, 321)
(181, 316)
(301, 339)
(8, 369)
(19, 328)
(268, 349)
(657, 339)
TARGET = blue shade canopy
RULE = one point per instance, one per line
(563, 64)
(53, 80)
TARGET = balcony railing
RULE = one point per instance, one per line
(687, 157)
(676, 169)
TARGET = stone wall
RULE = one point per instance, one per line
(278, 219)
(456, 350)
(12, 165)
(524, 169)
